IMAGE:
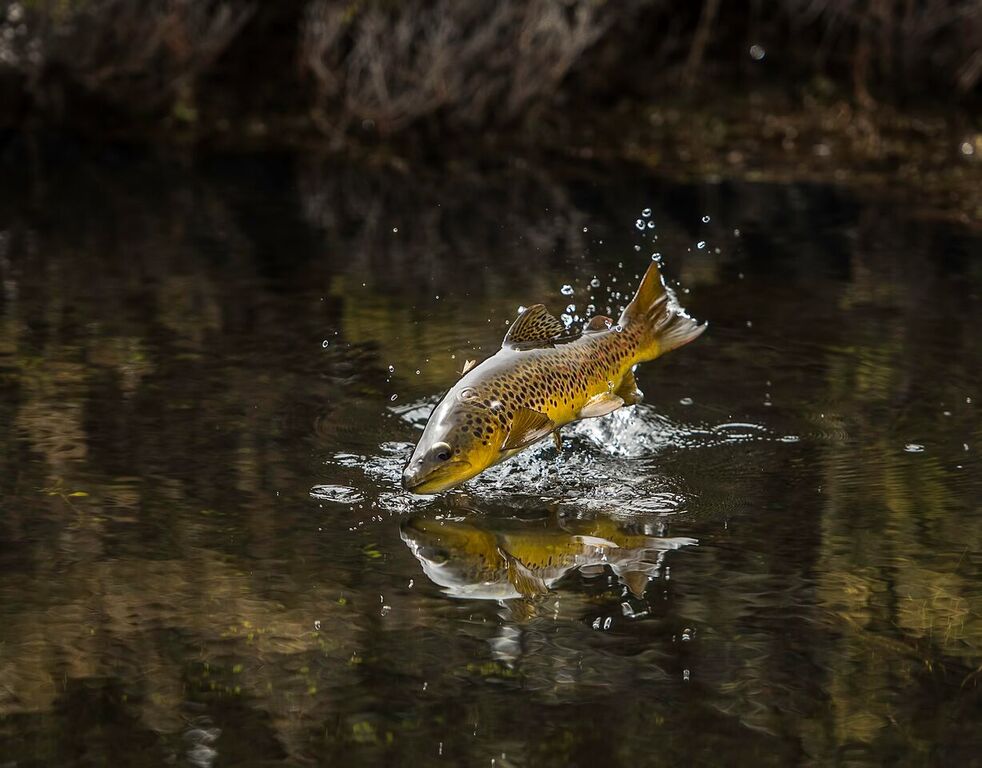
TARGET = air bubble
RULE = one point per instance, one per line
(595, 283)
(701, 244)
(646, 213)
(639, 223)
(325, 343)
(392, 369)
(757, 52)
(417, 371)
(686, 401)
(914, 448)
(651, 225)
(394, 398)
(705, 219)
(566, 290)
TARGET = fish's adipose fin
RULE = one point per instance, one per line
(557, 439)
(628, 390)
(600, 405)
(666, 326)
(535, 327)
(526, 583)
(527, 427)
(598, 323)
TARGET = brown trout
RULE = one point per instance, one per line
(543, 377)
(489, 559)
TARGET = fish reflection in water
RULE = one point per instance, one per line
(488, 558)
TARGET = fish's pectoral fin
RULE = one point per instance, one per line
(535, 327)
(527, 427)
(628, 390)
(526, 583)
(600, 405)
(557, 439)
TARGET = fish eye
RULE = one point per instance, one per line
(442, 451)
(468, 394)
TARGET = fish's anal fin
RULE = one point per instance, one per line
(527, 427)
(526, 583)
(600, 405)
(535, 327)
(628, 390)
(557, 439)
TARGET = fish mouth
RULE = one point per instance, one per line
(442, 478)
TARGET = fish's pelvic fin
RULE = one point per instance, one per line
(526, 583)
(666, 324)
(535, 327)
(527, 427)
(600, 405)
(628, 390)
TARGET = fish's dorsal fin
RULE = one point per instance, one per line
(600, 405)
(527, 427)
(636, 582)
(526, 583)
(598, 323)
(535, 327)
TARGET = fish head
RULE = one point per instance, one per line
(462, 558)
(461, 439)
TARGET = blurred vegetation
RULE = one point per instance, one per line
(385, 67)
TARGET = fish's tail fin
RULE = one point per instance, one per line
(665, 324)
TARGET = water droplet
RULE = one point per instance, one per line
(637, 248)
(914, 448)
(705, 219)
(607, 622)
(570, 308)
(656, 256)
(585, 229)
(566, 290)
(651, 225)
(595, 283)
(567, 319)
(395, 229)
(639, 223)
(392, 369)
(757, 52)
(701, 244)
(317, 625)
(646, 213)
(325, 343)
(686, 401)
(394, 398)
(967, 148)
(417, 371)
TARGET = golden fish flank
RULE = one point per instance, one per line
(543, 377)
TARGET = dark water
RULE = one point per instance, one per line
(205, 557)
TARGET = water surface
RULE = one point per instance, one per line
(212, 371)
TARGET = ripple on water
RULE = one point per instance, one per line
(606, 464)
(339, 494)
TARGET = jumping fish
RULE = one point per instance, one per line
(543, 377)
(488, 559)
